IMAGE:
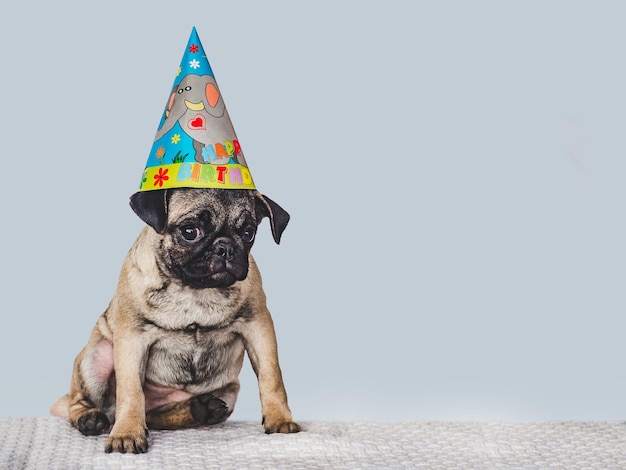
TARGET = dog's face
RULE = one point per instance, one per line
(206, 234)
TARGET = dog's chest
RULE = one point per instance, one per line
(194, 337)
(177, 308)
(194, 356)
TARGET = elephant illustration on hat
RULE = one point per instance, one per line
(196, 104)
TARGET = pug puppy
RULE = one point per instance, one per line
(167, 352)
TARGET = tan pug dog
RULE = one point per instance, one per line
(167, 352)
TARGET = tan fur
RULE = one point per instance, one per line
(148, 318)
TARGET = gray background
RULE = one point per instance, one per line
(454, 170)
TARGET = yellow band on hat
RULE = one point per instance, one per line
(196, 175)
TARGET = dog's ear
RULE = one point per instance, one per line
(278, 216)
(151, 207)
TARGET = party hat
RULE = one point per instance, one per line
(195, 144)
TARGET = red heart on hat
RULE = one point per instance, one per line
(197, 122)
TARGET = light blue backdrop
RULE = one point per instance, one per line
(455, 173)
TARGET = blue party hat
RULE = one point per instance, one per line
(195, 144)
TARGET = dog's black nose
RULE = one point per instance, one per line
(223, 249)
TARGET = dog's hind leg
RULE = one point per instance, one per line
(90, 398)
(86, 417)
(198, 410)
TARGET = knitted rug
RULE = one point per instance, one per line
(51, 443)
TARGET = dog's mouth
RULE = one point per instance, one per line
(212, 272)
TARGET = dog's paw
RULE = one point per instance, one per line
(92, 423)
(207, 409)
(280, 426)
(127, 443)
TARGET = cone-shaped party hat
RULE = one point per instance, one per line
(195, 144)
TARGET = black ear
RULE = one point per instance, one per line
(278, 216)
(151, 207)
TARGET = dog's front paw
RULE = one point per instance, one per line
(280, 426)
(130, 442)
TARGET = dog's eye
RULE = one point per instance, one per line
(190, 233)
(248, 234)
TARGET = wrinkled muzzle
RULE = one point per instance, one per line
(220, 265)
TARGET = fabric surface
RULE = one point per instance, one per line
(51, 443)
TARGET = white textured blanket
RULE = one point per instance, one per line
(50, 443)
